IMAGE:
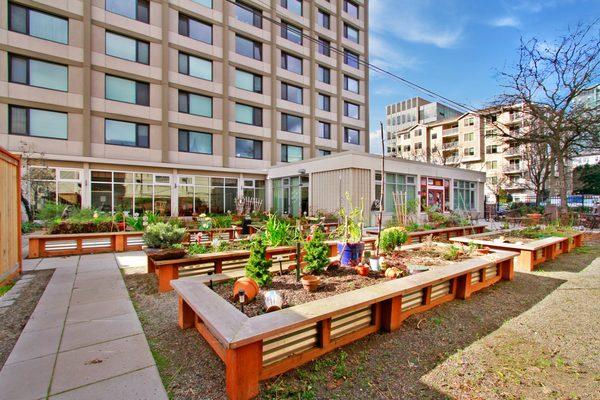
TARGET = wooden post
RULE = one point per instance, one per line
(119, 242)
(242, 370)
(507, 270)
(150, 268)
(526, 260)
(34, 248)
(218, 266)
(186, 314)
(390, 314)
(167, 273)
(463, 288)
(324, 332)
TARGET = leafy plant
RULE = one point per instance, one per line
(350, 229)
(452, 253)
(51, 211)
(197, 248)
(279, 232)
(391, 238)
(317, 253)
(222, 221)
(162, 235)
(258, 266)
(139, 222)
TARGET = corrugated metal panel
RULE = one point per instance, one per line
(289, 343)
(328, 189)
(350, 322)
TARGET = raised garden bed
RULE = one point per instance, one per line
(531, 251)
(231, 263)
(438, 234)
(260, 347)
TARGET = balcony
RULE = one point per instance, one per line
(452, 160)
(512, 169)
(512, 152)
(450, 145)
(450, 132)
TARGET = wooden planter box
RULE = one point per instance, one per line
(444, 233)
(530, 254)
(83, 243)
(328, 227)
(231, 263)
(266, 345)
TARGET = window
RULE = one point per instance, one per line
(38, 24)
(195, 104)
(395, 183)
(127, 48)
(324, 74)
(434, 136)
(469, 121)
(290, 195)
(351, 84)
(351, 8)
(248, 115)
(248, 15)
(418, 132)
(202, 194)
(324, 47)
(38, 73)
(36, 122)
(351, 136)
(195, 142)
(324, 130)
(126, 90)
(470, 151)
(294, 6)
(291, 33)
(351, 59)
(323, 153)
(492, 149)
(324, 102)
(195, 66)
(323, 19)
(291, 93)
(56, 185)
(248, 148)
(351, 110)
(291, 153)
(407, 148)
(491, 165)
(205, 3)
(247, 47)
(126, 133)
(254, 188)
(468, 137)
(418, 146)
(248, 81)
(464, 195)
(291, 123)
(291, 63)
(134, 9)
(195, 29)
(351, 33)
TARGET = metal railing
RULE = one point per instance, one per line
(451, 131)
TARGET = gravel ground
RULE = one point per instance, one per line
(380, 366)
(15, 318)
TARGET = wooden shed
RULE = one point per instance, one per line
(10, 216)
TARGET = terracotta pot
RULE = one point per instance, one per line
(363, 270)
(310, 282)
(165, 254)
(273, 301)
(248, 285)
(484, 250)
(121, 226)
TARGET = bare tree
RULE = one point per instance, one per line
(33, 171)
(437, 156)
(497, 185)
(547, 80)
(538, 163)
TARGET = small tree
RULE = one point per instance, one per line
(317, 253)
(258, 266)
(538, 166)
(586, 179)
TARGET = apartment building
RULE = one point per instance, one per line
(178, 106)
(470, 141)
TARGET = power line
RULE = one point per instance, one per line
(358, 59)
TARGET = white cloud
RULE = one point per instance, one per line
(507, 21)
(438, 23)
(387, 56)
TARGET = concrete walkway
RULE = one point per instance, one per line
(83, 340)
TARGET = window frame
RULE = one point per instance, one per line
(187, 55)
(346, 135)
(323, 47)
(285, 93)
(256, 14)
(348, 78)
(326, 17)
(285, 29)
(255, 45)
(254, 148)
(348, 54)
(347, 105)
(187, 132)
(327, 70)
(286, 147)
(255, 78)
(137, 47)
(28, 122)
(185, 19)
(254, 115)
(327, 131)
(348, 26)
(27, 21)
(327, 102)
(285, 64)
(285, 124)
(284, 4)
(137, 134)
(28, 72)
(187, 95)
(106, 76)
(355, 5)
(137, 11)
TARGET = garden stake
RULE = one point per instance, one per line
(298, 262)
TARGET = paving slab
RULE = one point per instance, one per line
(83, 340)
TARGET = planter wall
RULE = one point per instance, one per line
(85, 243)
(442, 233)
(264, 346)
(531, 254)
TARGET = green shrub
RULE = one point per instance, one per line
(197, 248)
(258, 266)
(391, 238)
(138, 223)
(51, 211)
(222, 221)
(163, 235)
(279, 232)
(452, 253)
(317, 253)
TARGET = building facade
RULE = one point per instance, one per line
(470, 141)
(178, 106)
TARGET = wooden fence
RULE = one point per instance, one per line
(10, 216)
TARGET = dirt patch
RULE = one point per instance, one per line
(16, 316)
(332, 282)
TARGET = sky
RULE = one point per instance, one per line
(457, 47)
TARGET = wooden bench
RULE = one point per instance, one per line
(530, 254)
(266, 345)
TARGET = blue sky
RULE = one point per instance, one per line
(457, 47)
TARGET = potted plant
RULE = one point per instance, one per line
(310, 283)
(373, 261)
(363, 268)
(258, 267)
(316, 258)
(392, 238)
(120, 221)
(350, 247)
(164, 241)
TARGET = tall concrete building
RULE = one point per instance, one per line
(178, 106)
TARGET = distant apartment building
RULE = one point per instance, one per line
(179, 106)
(589, 97)
(469, 141)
